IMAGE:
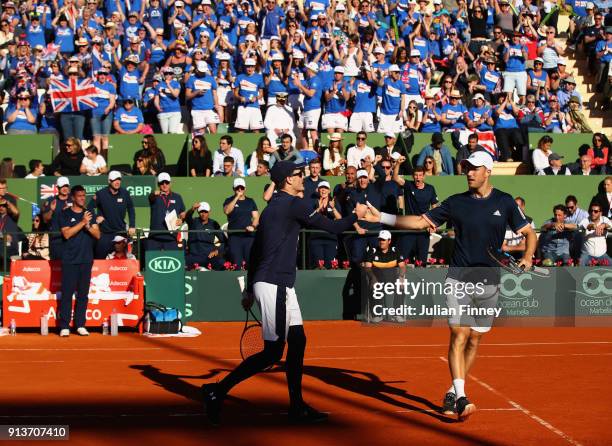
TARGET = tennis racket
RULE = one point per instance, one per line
(510, 264)
(251, 340)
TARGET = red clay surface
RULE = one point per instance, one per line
(544, 386)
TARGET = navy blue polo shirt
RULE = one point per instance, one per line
(201, 243)
(418, 201)
(79, 248)
(54, 224)
(390, 191)
(310, 187)
(274, 253)
(161, 205)
(241, 216)
(371, 194)
(479, 223)
(113, 207)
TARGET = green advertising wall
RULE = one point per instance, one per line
(540, 192)
(23, 148)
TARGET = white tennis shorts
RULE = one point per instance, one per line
(202, 118)
(334, 121)
(389, 123)
(362, 122)
(249, 118)
(462, 306)
(310, 119)
(266, 297)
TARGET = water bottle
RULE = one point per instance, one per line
(114, 323)
(44, 325)
(105, 327)
(13, 327)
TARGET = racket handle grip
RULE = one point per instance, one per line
(241, 283)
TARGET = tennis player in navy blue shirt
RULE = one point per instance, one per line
(271, 281)
(162, 202)
(480, 217)
(52, 208)
(80, 232)
(111, 205)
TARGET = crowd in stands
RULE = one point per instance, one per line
(85, 69)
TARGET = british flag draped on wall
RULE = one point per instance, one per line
(73, 94)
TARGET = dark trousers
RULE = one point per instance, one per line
(322, 249)
(161, 245)
(202, 259)
(56, 247)
(75, 280)
(509, 144)
(240, 249)
(359, 245)
(104, 245)
(415, 247)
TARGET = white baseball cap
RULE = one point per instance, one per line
(415, 53)
(202, 66)
(340, 7)
(250, 63)
(114, 175)
(479, 158)
(394, 67)
(561, 61)
(163, 177)
(277, 56)
(312, 67)
(239, 182)
(323, 184)
(62, 181)
(250, 38)
(204, 206)
(339, 69)
(379, 50)
(389, 135)
(478, 96)
(384, 235)
(361, 173)
(297, 54)
(119, 239)
(223, 56)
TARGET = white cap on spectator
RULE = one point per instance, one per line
(312, 67)
(478, 96)
(62, 181)
(395, 156)
(179, 3)
(339, 69)
(206, 2)
(394, 67)
(297, 54)
(250, 63)
(159, 31)
(479, 158)
(134, 39)
(362, 173)
(340, 7)
(277, 56)
(239, 182)
(164, 176)
(119, 239)
(384, 235)
(538, 59)
(114, 175)
(379, 50)
(389, 135)
(437, 2)
(415, 53)
(202, 66)
(274, 38)
(561, 61)
(223, 56)
(323, 184)
(204, 206)
(590, 5)
(250, 38)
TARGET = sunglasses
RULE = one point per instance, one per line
(531, 102)
(594, 211)
(139, 160)
(361, 138)
(164, 182)
(239, 188)
(428, 162)
(386, 167)
(448, 82)
(128, 101)
(553, 100)
(298, 174)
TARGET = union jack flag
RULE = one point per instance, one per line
(48, 191)
(72, 94)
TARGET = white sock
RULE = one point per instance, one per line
(451, 390)
(459, 385)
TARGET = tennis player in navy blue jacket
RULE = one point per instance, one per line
(480, 217)
(270, 282)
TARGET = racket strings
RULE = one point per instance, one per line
(251, 341)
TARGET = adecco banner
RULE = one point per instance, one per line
(34, 288)
(139, 187)
(165, 278)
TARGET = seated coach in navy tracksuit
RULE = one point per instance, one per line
(111, 204)
(162, 202)
(201, 245)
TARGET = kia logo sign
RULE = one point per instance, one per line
(164, 265)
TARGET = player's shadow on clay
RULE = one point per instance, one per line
(369, 384)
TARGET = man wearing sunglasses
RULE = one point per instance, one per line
(271, 281)
(594, 247)
(162, 203)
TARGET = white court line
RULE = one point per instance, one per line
(200, 414)
(310, 347)
(527, 412)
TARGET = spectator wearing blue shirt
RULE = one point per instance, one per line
(128, 118)
(248, 91)
(393, 93)
(489, 76)
(336, 95)
(515, 76)
(480, 116)
(364, 91)
(201, 89)
(79, 231)
(454, 114)
(166, 102)
(21, 116)
(564, 94)
(35, 33)
(130, 77)
(440, 153)
(603, 52)
(270, 18)
(432, 115)
(243, 216)
(507, 135)
(64, 35)
(102, 115)
(311, 88)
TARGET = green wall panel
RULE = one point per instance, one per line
(123, 147)
(23, 148)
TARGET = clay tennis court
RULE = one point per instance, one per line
(380, 385)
